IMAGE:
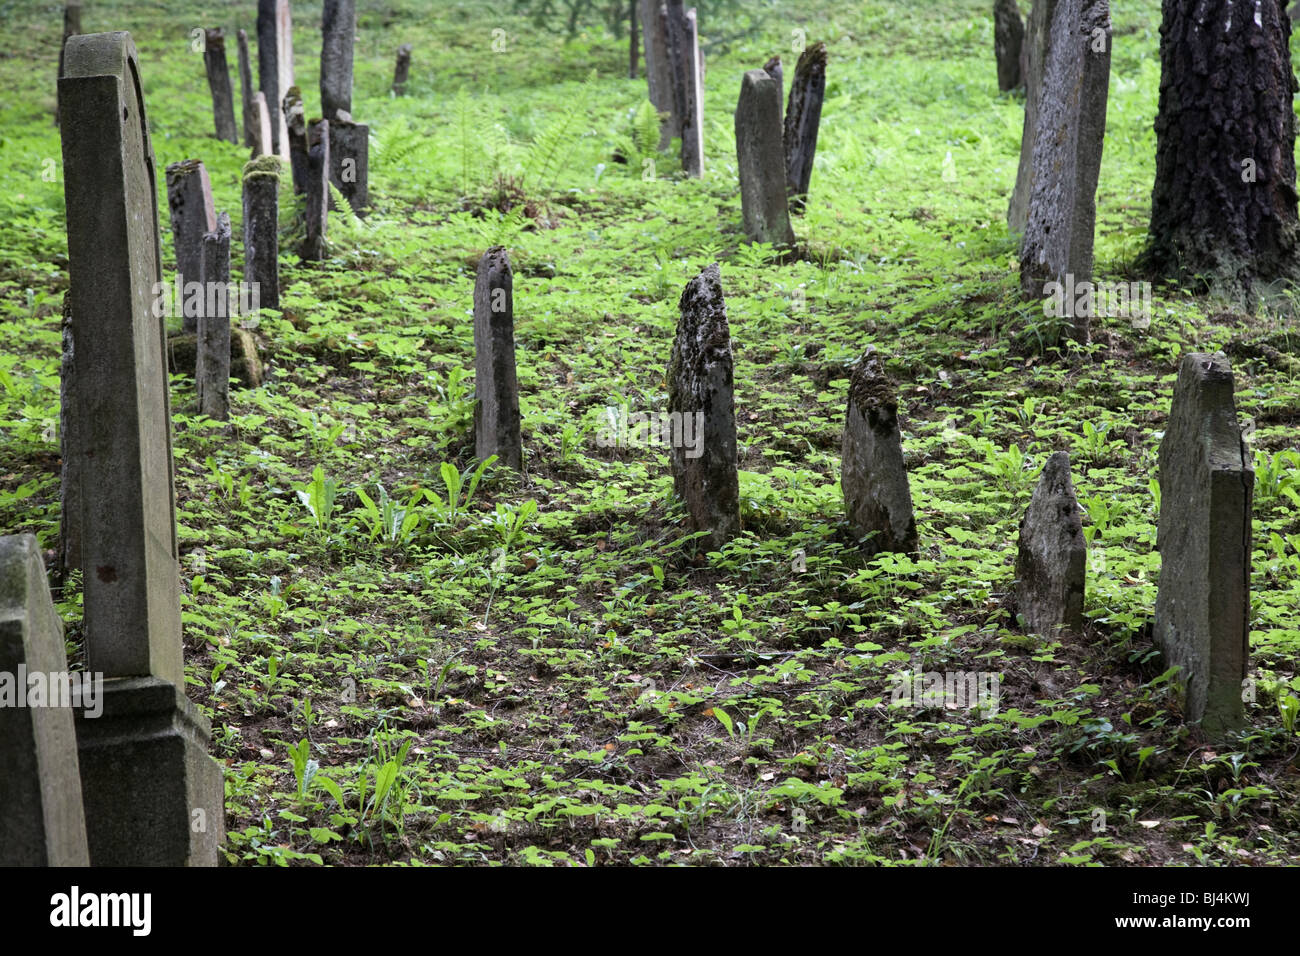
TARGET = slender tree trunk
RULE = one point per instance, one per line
(632, 45)
(1223, 208)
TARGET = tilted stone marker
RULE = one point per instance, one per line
(261, 228)
(1008, 37)
(688, 85)
(189, 198)
(402, 70)
(350, 161)
(877, 494)
(41, 818)
(701, 393)
(803, 120)
(758, 160)
(152, 796)
(338, 30)
(212, 370)
(1058, 237)
(652, 14)
(246, 91)
(1052, 559)
(774, 69)
(1207, 482)
(318, 192)
(71, 27)
(496, 387)
(1033, 57)
(275, 64)
(223, 98)
(295, 119)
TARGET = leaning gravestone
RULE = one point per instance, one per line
(41, 818)
(212, 368)
(496, 387)
(338, 29)
(688, 84)
(295, 121)
(350, 161)
(318, 190)
(151, 793)
(246, 91)
(1052, 555)
(275, 64)
(1204, 537)
(802, 121)
(223, 98)
(1008, 37)
(189, 198)
(1033, 63)
(758, 160)
(701, 393)
(402, 70)
(1057, 243)
(261, 228)
(657, 70)
(874, 477)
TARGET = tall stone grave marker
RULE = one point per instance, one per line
(1034, 47)
(803, 120)
(261, 228)
(496, 387)
(189, 199)
(350, 161)
(41, 818)
(212, 369)
(1008, 38)
(318, 192)
(402, 69)
(275, 64)
(1052, 556)
(223, 98)
(262, 143)
(246, 91)
(152, 796)
(338, 30)
(758, 160)
(701, 395)
(1207, 482)
(295, 119)
(688, 84)
(657, 69)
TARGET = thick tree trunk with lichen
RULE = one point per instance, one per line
(1223, 208)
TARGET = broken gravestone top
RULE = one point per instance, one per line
(1052, 558)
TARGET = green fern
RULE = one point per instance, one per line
(544, 162)
(466, 123)
(390, 148)
(645, 129)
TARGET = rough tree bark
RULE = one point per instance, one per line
(1223, 208)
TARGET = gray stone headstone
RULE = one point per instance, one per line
(223, 98)
(246, 91)
(338, 31)
(41, 819)
(150, 792)
(496, 387)
(1207, 482)
(877, 495)
(189, 198)
(1058, 238)
(1033, 52)
(350, 162)
(652, 14)
(701, 394)
(212, 370)
(688, 84)
(803, 120)
(275, 64)
(774, 69)
(261, 228)
(318, 192)
(295, 119)
(759, 160)
(1052, 557)
(402, 70)
(1008, 37)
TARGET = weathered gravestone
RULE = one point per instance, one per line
(877, 495)
(262, 144)
(70, 483)
(1207, 482)
(212, 368)
(350, 161)
(246, 91)
(318, 190)
(41, 818)
(652, 14)
(338, 29)
(1052, 556)
(275, 64)
(701, 394)
(496, 387)
(803, 119)
(1008, 37)
(773, 69)
(261, 228)
(223, 98)
(71, 27)
(402, 70)
(1033, 63)
(758, 160)
(152, 796)
(295, 120)
(1058, 237)
(189, 198)
(688, 85)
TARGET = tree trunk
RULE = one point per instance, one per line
(632, 48)
(1223, 208)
